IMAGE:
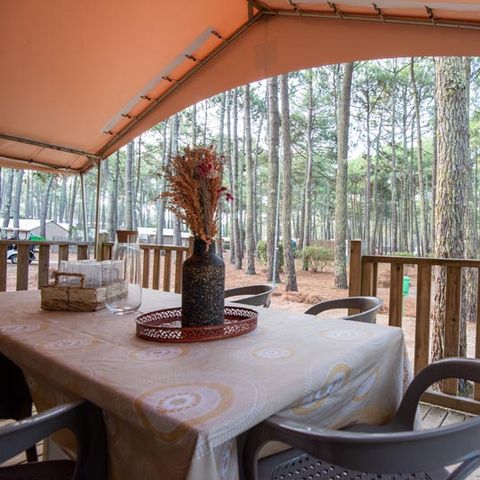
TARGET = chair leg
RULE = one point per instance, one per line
(32, 454)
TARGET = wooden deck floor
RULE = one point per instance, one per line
(432, 417)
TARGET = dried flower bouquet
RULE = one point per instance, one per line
(195, 189)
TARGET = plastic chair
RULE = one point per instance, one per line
(15, 400)
(387, 450)
(83, 419)
(256, 295)
(368, 307)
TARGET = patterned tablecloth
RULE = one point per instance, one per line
(174, 411)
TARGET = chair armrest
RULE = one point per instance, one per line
(465, 368)
(16, 437)
(372, 452)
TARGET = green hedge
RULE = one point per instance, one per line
(316, 258)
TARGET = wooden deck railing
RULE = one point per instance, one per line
(154, 274)
(363, 281)
(82, 249)
(151, 258)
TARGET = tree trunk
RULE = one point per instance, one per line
(368, 196)
(128, 187)
(291, 277)
(63, 201)
(341, 181)
(16, 199)
(160, 202)
(194, 125)
(72, 205)
(421, 181)
(221, 142)
(7, 201)
(45, 205)
(113, 200)
(136, 205)
(273, 172)
(230, 177)
(452, 171)
(394, 202)
(470, 277)
(236, 189)
(249, 223)
(307, 188)
(177, 231)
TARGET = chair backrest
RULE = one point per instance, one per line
(83, 419)
(256, 295)
(367, 306)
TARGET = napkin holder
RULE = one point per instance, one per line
(77, 298)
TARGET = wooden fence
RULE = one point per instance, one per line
(156, 274)
(363, 281)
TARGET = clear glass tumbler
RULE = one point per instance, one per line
(124, 289)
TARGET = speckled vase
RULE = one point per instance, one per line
(203, 287)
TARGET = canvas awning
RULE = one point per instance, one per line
(81, 79)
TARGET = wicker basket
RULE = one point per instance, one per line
(77, 298)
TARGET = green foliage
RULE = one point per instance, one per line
(317, 258)
(403, 254)
(262, 253)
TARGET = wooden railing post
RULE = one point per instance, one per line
(102, 251)
(43, 264)
(355, 270)
(62, 253)
(476, 393)
(396, 295)
(82, 252)
(422, 324)
(190, 246)
(156, 269)
(452, 321)
(367, 278)
(178, 271)
(3, 267)
(146, 267)
(22, 266)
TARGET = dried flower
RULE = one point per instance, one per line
(195, 180)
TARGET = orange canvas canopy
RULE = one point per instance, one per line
(81, 79)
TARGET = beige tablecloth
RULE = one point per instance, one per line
(173, 411)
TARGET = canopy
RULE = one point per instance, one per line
(81, 79)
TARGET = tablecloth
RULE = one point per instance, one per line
(173, 411)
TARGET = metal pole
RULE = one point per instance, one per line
(84, 207)
(97, 212)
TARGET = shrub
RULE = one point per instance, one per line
(262, 253)
(316, 258)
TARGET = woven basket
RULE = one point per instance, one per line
(77, 298)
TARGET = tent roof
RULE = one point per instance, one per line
(81, 79)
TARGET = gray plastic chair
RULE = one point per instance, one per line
(368, 307)
(393, 449)
(256, 295)
(83, 419)
(15, 400)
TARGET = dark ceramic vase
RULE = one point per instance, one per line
(203, 287)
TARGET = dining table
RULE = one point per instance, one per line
(175, 410)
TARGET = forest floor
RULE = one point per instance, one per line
(313, 287)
